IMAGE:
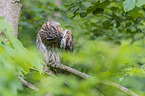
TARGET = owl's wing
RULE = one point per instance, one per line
(67, 41)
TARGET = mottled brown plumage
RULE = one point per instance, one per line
(51, 38)
(67, 41)
(50, 34)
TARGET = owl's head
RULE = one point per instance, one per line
(56, 25)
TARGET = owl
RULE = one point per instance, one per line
(51, 39)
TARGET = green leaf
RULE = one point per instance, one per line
(135, 13)
(5, 26)
(83, 14)
(16, 52)
(91, 9)
(129, 5)
(97, 11)
(37, 18)
(103, 4)
(106, 24)
(87, 4)
(139, 3)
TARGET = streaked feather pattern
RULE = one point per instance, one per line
(51, 38)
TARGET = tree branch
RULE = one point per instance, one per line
(69, 69)
(29, 85)
(122, 88)
(80, 74)
(85, 76)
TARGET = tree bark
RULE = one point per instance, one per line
(11, 10)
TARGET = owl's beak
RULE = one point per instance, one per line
(60, 30)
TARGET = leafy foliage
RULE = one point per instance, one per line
(14, 60)
(130, 4)
(109, 45)
(107, 19)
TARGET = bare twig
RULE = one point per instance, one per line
(70, 70)
(47, 71)
(122, 88)
(29, 85)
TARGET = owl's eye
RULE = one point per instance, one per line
(54, 28)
